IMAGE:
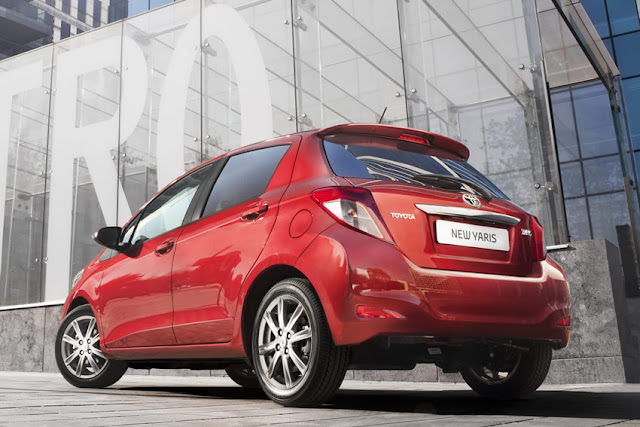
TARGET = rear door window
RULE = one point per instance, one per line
(245, 176)
(393, 164)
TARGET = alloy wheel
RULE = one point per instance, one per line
(285, 344)
(80, 348)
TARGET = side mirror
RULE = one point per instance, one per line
(108, 236)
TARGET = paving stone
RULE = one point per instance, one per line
(46, 399)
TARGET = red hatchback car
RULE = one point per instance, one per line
(289, 261)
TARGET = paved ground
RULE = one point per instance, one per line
(46, 399)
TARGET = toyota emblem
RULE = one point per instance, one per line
(471, 200)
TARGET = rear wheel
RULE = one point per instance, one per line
(294, 356)
(244, 375)
(505, 372)
(78, 354)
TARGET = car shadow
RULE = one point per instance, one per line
(560, 404)
(582, 404)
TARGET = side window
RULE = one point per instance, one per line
(244, 177)
(167, 211)
(127, 232)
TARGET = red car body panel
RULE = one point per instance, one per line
(135, 296)
(188, 303)
(214, 256)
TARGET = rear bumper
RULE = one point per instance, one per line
(433, 302)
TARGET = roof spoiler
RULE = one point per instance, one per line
(396, 132)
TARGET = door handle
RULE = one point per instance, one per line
(164, 247)
(255, 212)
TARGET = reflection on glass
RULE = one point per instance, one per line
(348, 63)
(572, 179)
(565, 126)
(623, 16)
(604, 218)
(627, 53)
(167, 211)
(632, 102)
(603, 174)
(598, 15)
(578, 219)
(451, 67)
(23, 220)
(594, 121)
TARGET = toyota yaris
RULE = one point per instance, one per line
(289, 261)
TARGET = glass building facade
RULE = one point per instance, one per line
(591, 169)
(92, 126)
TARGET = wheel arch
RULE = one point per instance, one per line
(77, 302)
(258, 289)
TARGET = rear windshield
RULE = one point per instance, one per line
(396, 164)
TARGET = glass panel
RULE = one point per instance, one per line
(24, 124)
(603, 174)
(470, 63)
(244, 177)
(623, 15)
(578, 219)
(160, 133)
(632, 104)
(609, 44)
(348, 63)
(594, 121)
(84, 136)
(627, 53)
(582, 30)
(572, 179)
(564, 125)
(269, 107)
(598, 14)
(606, 212)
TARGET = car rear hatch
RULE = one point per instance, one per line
(440, 211)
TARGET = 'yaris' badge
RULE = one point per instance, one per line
(471, 200)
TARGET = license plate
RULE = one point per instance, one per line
(472, 236)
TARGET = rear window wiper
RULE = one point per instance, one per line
(453, 183)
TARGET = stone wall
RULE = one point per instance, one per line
(604, 343)
(27, 338)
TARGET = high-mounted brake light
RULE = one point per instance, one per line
(353, 207)
(538, 247)
(413, 138)
(565, 321)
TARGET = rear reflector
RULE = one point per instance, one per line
(368, 312)
(565, 321)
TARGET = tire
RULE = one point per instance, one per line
(243, 375)
(527, 374)
(315, 365)
(91, 369)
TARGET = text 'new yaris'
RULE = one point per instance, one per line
(289, 261)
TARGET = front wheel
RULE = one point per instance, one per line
(78, 353)
(506, 372)
(294, 356)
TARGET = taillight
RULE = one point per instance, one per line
(353, 207)
(538, 247)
